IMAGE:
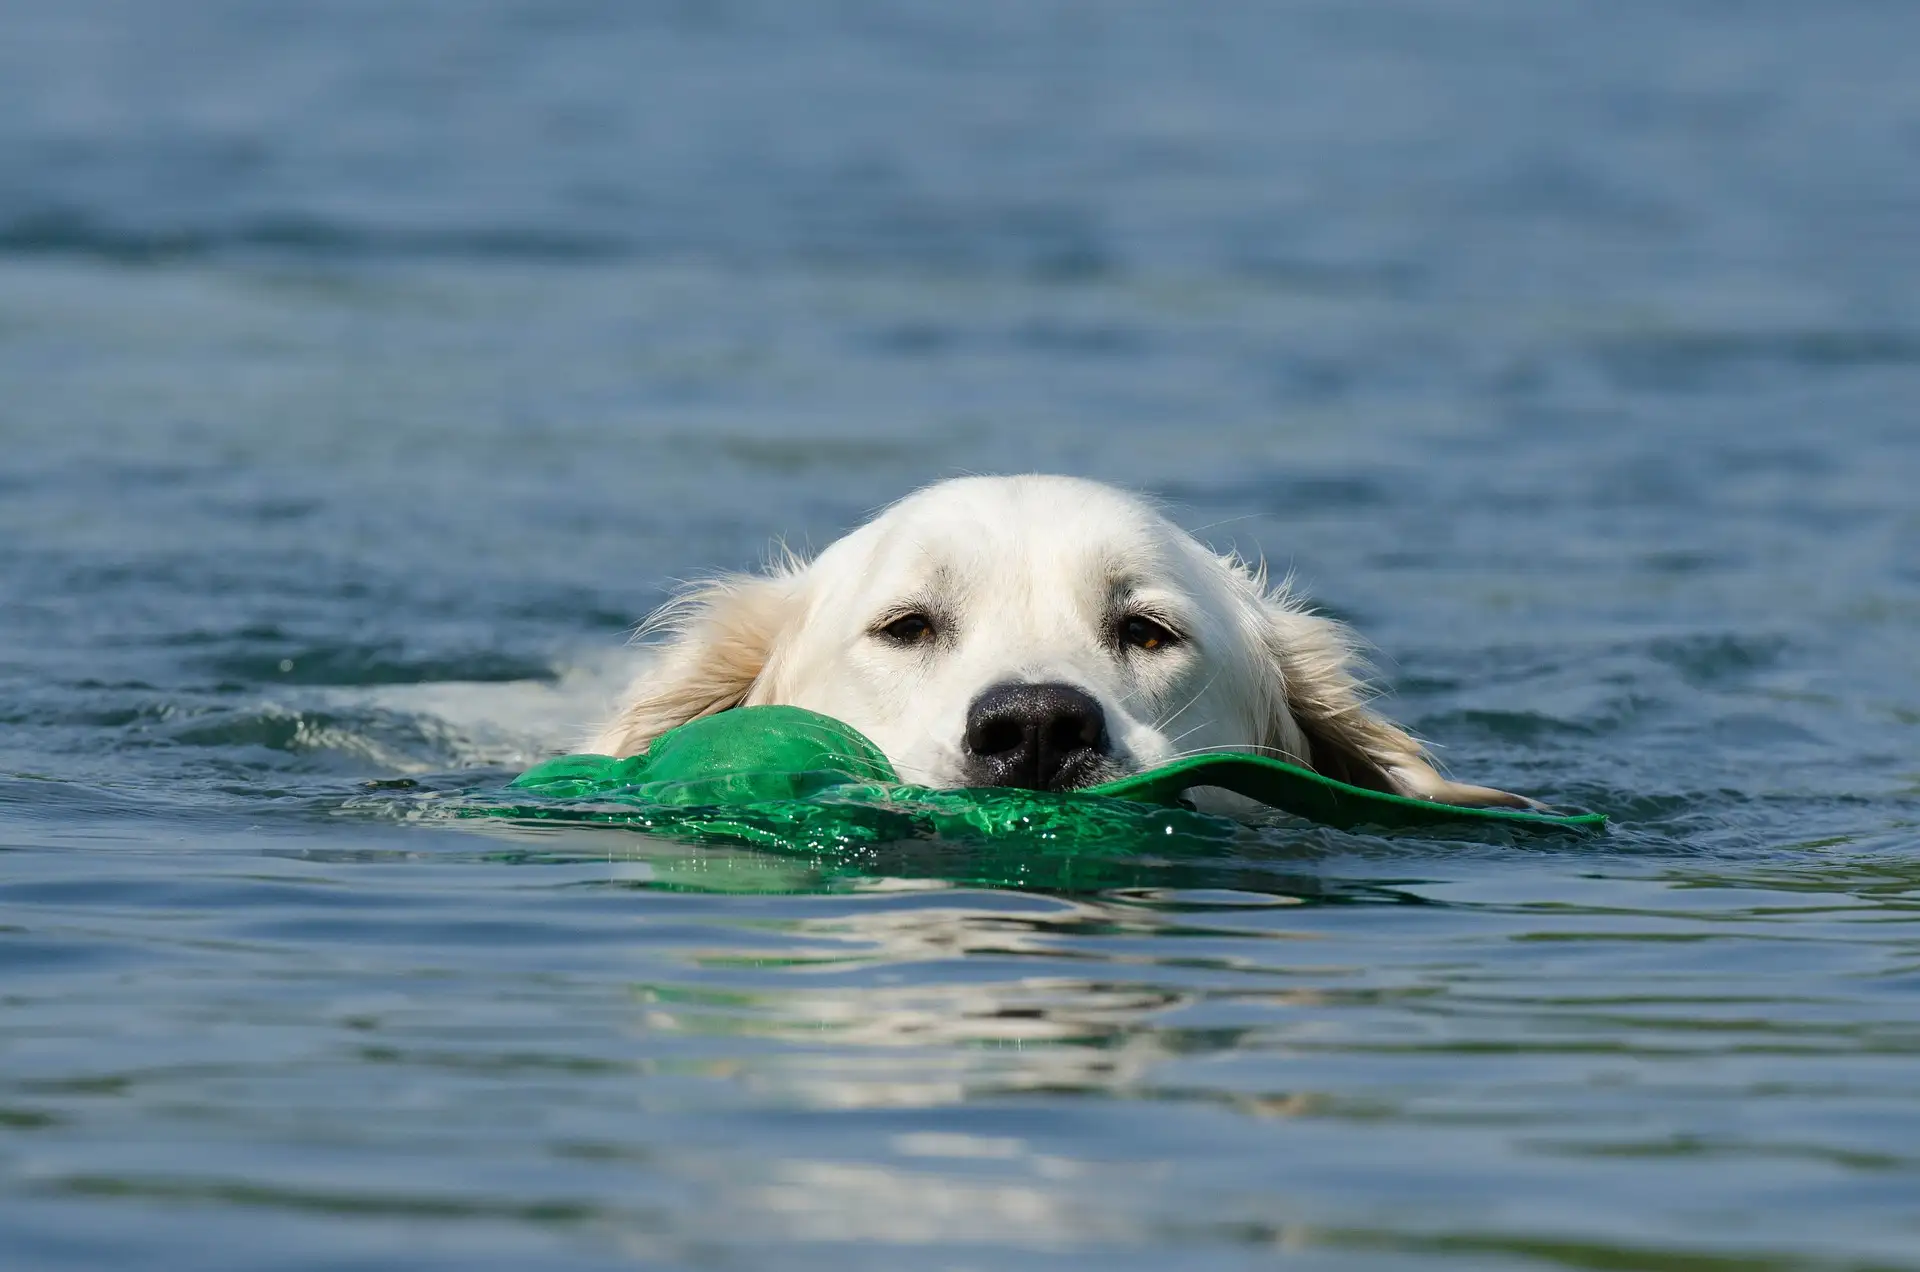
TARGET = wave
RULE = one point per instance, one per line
(75, 233)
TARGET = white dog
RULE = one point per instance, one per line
(1043, 632)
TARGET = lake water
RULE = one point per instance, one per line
(368, 368)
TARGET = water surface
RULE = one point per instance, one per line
(366, 370)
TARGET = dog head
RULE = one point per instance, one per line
(1041, 632)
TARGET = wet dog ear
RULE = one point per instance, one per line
(719, 636)
(1318, 711)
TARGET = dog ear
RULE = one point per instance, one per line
(719, 636)
(1319, 713)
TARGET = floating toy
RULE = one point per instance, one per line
(788, 779)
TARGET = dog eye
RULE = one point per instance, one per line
(909, 629)
(1143, 633)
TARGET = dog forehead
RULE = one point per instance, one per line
(1062, 534)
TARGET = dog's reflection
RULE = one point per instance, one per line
(925, 1004)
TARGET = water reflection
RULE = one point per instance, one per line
(1269, 863)
(936, 1004)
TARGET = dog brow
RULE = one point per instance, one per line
(1125, 584)
(933, 594)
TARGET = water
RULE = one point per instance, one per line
(366, 369)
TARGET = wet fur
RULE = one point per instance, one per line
(1299, 689)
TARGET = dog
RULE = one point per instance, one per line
(1034, 631)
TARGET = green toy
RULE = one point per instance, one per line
(791, 780)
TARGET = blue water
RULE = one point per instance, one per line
(368, 368)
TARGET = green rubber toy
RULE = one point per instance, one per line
(788, 779)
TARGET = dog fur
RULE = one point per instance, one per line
(1029, 580)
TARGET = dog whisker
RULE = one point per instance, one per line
(1230, 748)
(1199, 694)
(1176, 741)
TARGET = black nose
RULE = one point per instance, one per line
(1042, 737)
